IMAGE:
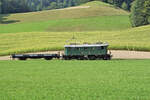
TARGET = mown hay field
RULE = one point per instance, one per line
(76, 80)
(130, 39)
(49, 30)
(100, 23)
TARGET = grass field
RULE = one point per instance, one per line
(70, 25)
(99, 16)
(49, 30)
(131, 39)
(96, 9)
(75, 80)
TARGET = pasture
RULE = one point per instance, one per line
(130, 39)
(49, 30)
(97, 17)
(95, 9)
(76, 80)
(100, 23)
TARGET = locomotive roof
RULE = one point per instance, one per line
(88, 45)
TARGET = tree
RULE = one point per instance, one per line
(140, 13)
(124, 6)
(0, 7)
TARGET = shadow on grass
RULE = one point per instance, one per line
(3, 19)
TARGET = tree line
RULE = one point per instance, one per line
(124, 4)
(18, 6)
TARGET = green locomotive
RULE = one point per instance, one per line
(87, 51)
(75, 51)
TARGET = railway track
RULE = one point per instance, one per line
(117, 54)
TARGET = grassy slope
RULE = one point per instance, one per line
(47, 30)
(70, 25)
(130, 39)
(96, 9)
(83, 19)
(65, 80)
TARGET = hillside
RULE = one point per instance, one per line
(91, 22)
(130, 39)
(91, 9)
(93, 16)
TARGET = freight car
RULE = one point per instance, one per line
(74, 51)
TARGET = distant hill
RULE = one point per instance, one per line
(91, 9)
(90, 16)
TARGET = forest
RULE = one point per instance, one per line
(18, 6)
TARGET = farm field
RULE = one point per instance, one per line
(93, 9)
(130, 39)
(76, 80)
(98, 23)
(49, 30)
(98, 16)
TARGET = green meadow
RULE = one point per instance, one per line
(76, 80)
(130, 39)
(51, 29)
(99, 23)
(97, 17)
(73, 80)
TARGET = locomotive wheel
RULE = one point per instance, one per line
(80, 58)
(22, 58)
(48, 58)
(91, 57)
(107, 57)
(66, 58)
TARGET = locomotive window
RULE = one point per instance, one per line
(102, 47)
(99, 48)
(68, 48)
(78, 48)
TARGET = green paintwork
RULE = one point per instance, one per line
(86, 50)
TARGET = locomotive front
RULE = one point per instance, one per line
(87, 51)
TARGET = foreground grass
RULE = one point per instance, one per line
(131, 39)
(76, 80)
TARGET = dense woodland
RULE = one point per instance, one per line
(17, 6)
(124, 4)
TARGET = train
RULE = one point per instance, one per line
(86, 51)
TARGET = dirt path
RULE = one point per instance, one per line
(76, 7)
(117, 54)
(122, 54)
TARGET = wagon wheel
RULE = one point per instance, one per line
(48, 58)
(22, 58)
